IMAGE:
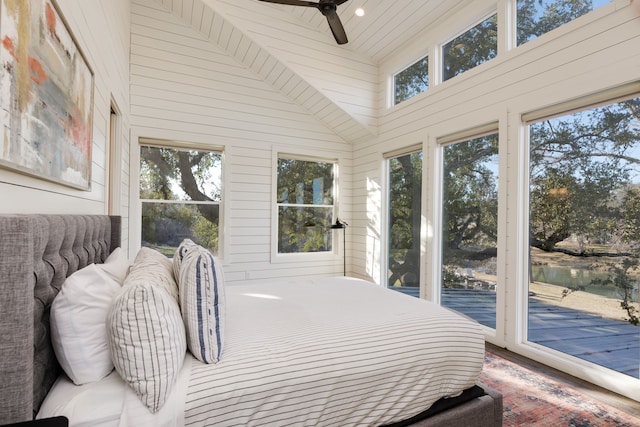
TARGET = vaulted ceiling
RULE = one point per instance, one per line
(292, 48)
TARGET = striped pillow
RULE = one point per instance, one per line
(153, 267)
(147, 341)
(201, 287)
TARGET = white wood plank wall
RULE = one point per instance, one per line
(185, 87)
(102, 32)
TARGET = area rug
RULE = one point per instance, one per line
(533, 399)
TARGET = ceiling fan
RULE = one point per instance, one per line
(328, 8)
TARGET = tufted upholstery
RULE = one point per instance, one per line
(37, 253)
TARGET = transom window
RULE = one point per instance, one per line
(180, 194)
(537, 17)
(470, 49)
(411, 81)
(305, 203)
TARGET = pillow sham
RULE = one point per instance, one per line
(147, 340)
(116, 265)
(78, 316)
(202, 299)
(153, 267)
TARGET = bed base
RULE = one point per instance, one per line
(482, 411)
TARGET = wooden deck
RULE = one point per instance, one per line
(610, 343)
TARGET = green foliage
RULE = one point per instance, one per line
(168, 174)
(305, 198)
(470, 193)
(626, 285)
(470, 49)
(412, 81)
(537, 17)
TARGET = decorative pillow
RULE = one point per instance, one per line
(78, 316)
(147, 340)
(116, 265)
(202, 299)
(153, 267)
(181, 251)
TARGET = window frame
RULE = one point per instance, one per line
(337, 249)
(136, 218)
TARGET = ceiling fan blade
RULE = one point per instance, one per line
(336, 26)
(293, 2)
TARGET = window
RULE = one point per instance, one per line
(180, 193)
(470, 49)
(305, 203)
(411, 81)
(470, 227)
(404, 213)
(537, 17)
(584, 198)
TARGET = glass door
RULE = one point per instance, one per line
(584, 232)
(470, 227)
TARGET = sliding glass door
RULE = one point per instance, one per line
(584, 232)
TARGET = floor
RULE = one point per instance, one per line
(625, 404)
(611, 343)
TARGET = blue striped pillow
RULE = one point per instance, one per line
(202, 300)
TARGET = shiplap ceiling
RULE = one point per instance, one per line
(386, 26)
(293, 50)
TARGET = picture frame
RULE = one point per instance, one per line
(46, 95)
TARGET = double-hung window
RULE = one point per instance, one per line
(180, 195)
(305, 203)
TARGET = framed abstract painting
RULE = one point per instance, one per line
(46, 95)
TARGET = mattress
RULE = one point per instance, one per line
(324, 351)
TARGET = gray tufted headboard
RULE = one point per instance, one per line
(37, 253)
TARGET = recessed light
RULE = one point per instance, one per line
(359, 11)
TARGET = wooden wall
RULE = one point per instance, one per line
(188, 89)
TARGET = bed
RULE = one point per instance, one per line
(323, 362)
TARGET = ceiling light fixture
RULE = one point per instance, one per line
(359, 11)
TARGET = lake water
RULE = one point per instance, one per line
(574, 277)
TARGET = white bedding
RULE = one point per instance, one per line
(327, 351)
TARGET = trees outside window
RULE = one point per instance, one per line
(411, 81)
(305, 204)
(584, 194)
(470, 49)
(404, 201)
(537, 17)
(470, 226)
(180, 194)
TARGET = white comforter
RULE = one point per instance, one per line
(329, 351)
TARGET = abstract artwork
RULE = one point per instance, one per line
(46, 95)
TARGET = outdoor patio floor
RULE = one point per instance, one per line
(606, 342)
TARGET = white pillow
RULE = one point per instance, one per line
(78, 333)
(153, 267)
(202, 300)
(116, 265)
(147, 341)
